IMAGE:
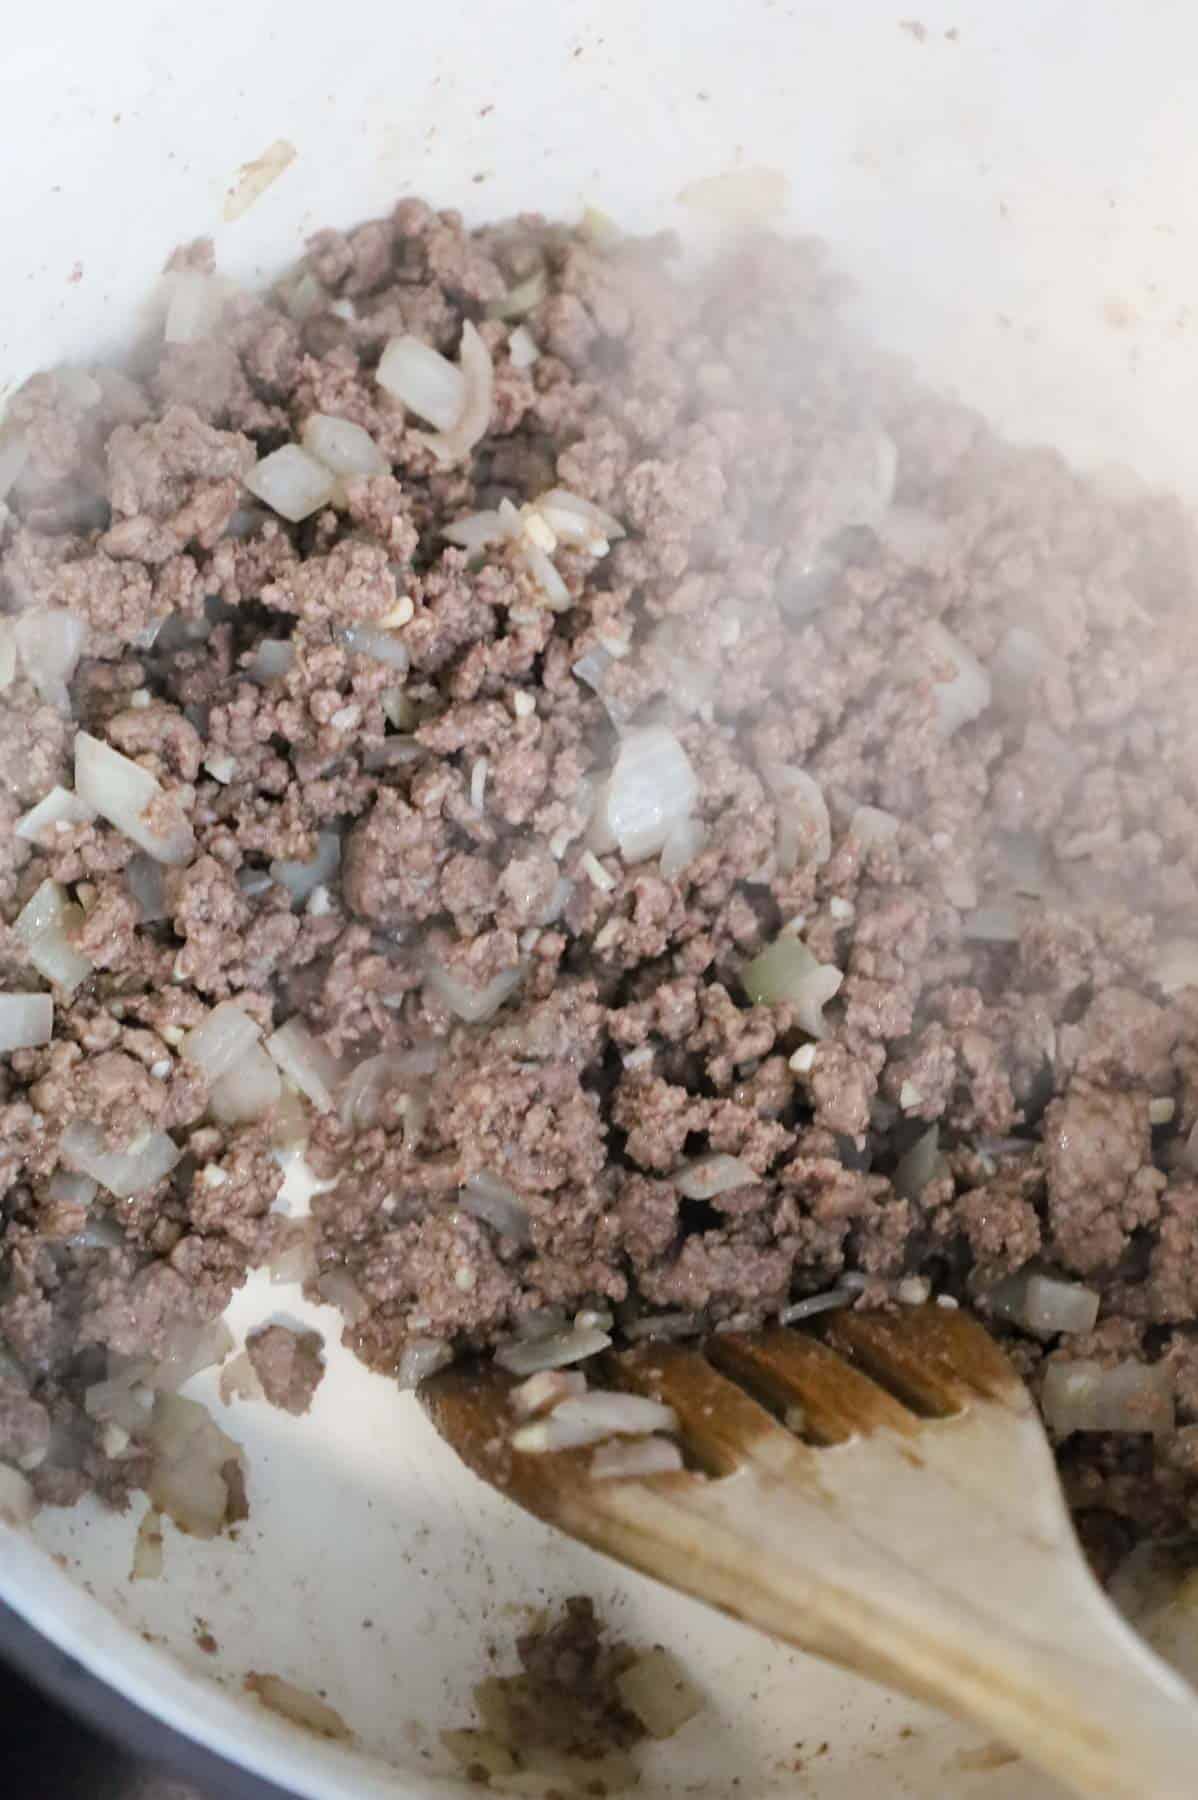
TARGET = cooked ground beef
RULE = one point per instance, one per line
(1004, 879)
(288, 1363)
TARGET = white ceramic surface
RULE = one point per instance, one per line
(1012, 187)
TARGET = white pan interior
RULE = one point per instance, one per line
(1012, 189)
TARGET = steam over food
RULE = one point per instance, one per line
(683, 824)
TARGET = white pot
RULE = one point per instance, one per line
(1012, 187)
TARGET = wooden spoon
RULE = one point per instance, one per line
(915, 1531)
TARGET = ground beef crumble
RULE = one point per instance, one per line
(1010, 918)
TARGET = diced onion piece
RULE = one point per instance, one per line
(121, 792)
(919, 1165)
(220, 1040)
(302, 878)
(272, 658)
(139, 1166)
(1176, 966)
(73, 1190)
(8, 646)
(18, 1503)
(710, 1175)
(786, 971)
(342, 446)
(306, 1062)
(192, 1349)
(627, 1459)
(555, 1351)
(196, 302)
(50, 643)
(250, 1089)
(143, 877)
(14, 454)
(296, 1704)
(43, 926)
(685, 841)
(830, 1301)
(1084, 1396)
(853, 481)
(292, 483)
(592, 1417)
(870, 825)
(656, 1689)
(488, 1198)
(651, 789)
(553, 589)
(474, 1005)
(522, 348)
(122, 1400)
(239, 1380)
(339, 1289)
(60, 805)
(190, 1452)
(522, 298)
(1044, 1305)
(477, 531)
(421, 1357)
(426, 382)
(542, 1392)
(382, 646)
(963, 693)
(991, 925)
(578, 522)
(456, 440)
(147, 1547)
(26, 1020)
(804, 826)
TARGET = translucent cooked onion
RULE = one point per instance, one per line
(1084, 1396)
(72, 1190)
(220, 1040)
(122, 1400)
(294, 1263)
(382, 646)
(786, 972)
(8, 643)
(250, 1089)
(44, 925)
(477, 531)
(306, 1062)
(298, 1705)
(550, 585)
(578, 522)
(1044, 1305)
(121, 792)
(592, 1417)
(522, 348)
(804, 826)
(919, 1165)
(59, 806)
(195, 302)
(272, 658)
(814, 1304)
(522, 298)
(50, 643)
(710, 1175)
(339, 1289)
(454, 441)
(652, 788)
(423, 380)
(554, 1350)
(625, 1459)
(421, 1357)
(488, 1198)
(543, 1391)
(302, 878)
(292, 483)
(139, 1166)
(190, 1452)
(474, 1005)
(686, 840)
(239, 1380)
(962, 693)
(143, 877)
(192, 1349)
(26, 1020)
(342, 446)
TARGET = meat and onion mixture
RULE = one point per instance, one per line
(678, 823)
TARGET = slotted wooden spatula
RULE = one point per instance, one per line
(915, 1531)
